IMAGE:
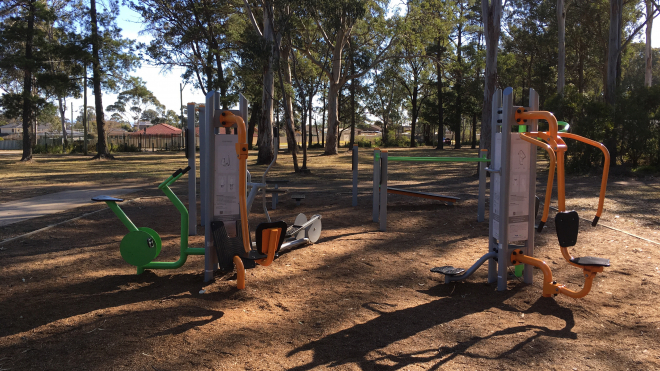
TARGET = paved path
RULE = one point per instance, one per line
(18, 211)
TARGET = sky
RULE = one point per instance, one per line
(165, 85)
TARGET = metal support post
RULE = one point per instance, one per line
(383, 190)
(355, 174)
(376, 188)
(192, 174)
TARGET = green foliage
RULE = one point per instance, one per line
(360, 143)
(136, 103)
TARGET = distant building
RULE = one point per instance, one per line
(141, 125)
(11, 129)
(164, 130)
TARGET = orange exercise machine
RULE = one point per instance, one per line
(512, 206)
(228, 242)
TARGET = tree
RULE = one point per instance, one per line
(22, 39)
(561, 54)
(195, 34)
(133, 102)
(111, 60)
(334, 22)
(648, 51)
(386, 96)
(491, 13)
(266, 34)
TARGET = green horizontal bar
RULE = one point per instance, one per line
(438, 159)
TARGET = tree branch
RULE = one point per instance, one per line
(629, 39)
(248, 12)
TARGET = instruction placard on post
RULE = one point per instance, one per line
(225, 193)
(519, 172)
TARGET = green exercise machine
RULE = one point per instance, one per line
(140, 246)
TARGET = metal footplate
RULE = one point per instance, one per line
(448, 270)
(227, 247)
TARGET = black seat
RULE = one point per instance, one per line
(590, 260)
(106, 199)
(260, 228)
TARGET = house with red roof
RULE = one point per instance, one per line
(160, 130)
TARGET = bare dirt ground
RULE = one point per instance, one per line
(359, 299)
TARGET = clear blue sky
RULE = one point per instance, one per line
(165, 86)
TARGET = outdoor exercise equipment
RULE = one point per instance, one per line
(227, 234)
(142, 245)
(512, 207)
(381, 188)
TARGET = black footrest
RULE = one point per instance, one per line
(254, 255)
(106, 199)
(590, 260)
(448, 270)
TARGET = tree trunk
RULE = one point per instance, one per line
(580, 68)
(413, 122)
(333, 120)
(441, 110)
(265, 141)
(84, 115)
(614, 43)
(28, 112)
(62, 109)
(336, 82)
(222, 83)
(492, 16)
(561, 57)
(101, 145)
(648, 71)
(352, 141)
(285, 78)
(459, 82)
(325, 103)
(474, 130)
(311, 111)
(252, 122)
(303, 133)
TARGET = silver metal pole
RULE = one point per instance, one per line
(355, 174)
(203, 127)
(192, 174)
(376, 188)
(528, 273)
(504, 176)
(210, 258)
(383, 190)
(495, 196)
(481, 203)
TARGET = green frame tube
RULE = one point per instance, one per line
(184, 250)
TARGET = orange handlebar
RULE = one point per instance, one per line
(606, 169)
(539, 115)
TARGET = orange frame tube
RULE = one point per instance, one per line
(271, 237)
(227, 120)
(240, 273)
(551, 172)
(550, 287)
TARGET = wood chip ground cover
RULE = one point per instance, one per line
(359, 299)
